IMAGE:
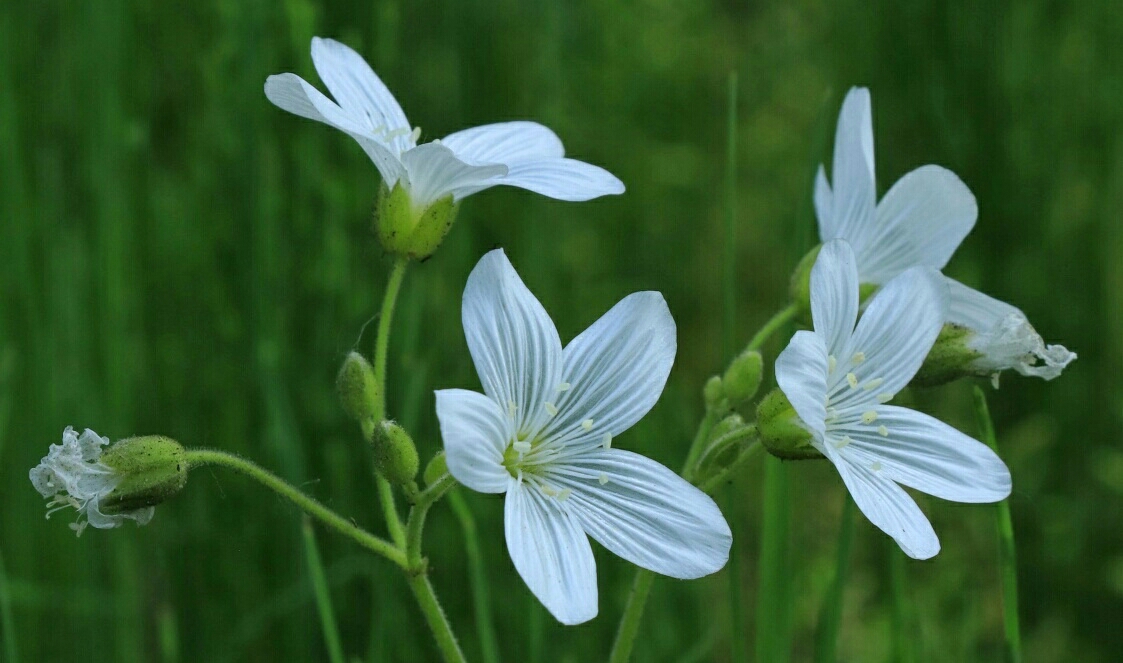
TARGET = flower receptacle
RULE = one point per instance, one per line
(408, 229)
(782, 431)
(152, 468)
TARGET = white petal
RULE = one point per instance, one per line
(561, 179)
(513, 342)
(476, 431)
(890, 508)
(551, 553)
(920, 222)
(1003, 335)
(801, 373)
(834, 294)
(292, 93)
(646, 513)
(358, 90)
(434, 172)
(505, 142)
(614, 371)
(926, 454)
(852, 176)
(824, 202)
(898, 328)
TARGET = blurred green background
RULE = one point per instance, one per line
(178, 256)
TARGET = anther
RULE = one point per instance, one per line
(512, 407)
(602, 479)
(884, 398)
(564, 386)
(852, 380)
(876, 466)
(831, 363)
(869, 416)
(415, 134)
(873, 384)
(587, 424)
(883, 431)
(606, 441)
(521, 446)
(551, 409)
(843, 442)
(858, 357)
(564, 494)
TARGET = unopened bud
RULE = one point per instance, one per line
(781, 430)
(395, 456)
(713, 393)
(151, 468)
(742, 378)
(408, 229)
(358, 387)
(437, 468)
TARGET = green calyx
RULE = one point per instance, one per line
(358, 388)
(395, 456)
(152, 469)
(406, 229)
(949, 359)
(742, 379)
(781, 430)
(435, 469)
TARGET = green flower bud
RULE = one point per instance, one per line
(742, 378)
(782, 431)
(395, 456)
(719, 454)
(407, 229)
(713, 393)
(358, 388)
(151, 469)
(437, 468)
(949, 359)
(800, 287)
(726, 425)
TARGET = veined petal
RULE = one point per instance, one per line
(926, 454)
(852, 176)
(292, 93)
(890, 508)
(645, 513)
(920, 222)
(561, 179)
(513, 342)
(505, 142)
(476, 431)
(614, 371)
(359, 90)
(801, 373)
(434, 172)
(551, 553)
(898, 328)
(834, 294)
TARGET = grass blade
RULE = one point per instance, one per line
(477, 576)
(830, 614)
(323, 596)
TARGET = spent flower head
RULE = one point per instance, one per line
(921, 221)
(542, 432)
(840, 377)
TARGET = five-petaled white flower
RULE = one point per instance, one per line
(920, 222)
(542, 433)
(72, 475)
(839, 380)
(522, 154)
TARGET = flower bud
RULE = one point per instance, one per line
(713, 393)
(437, 468)
(720, 453)
(412, 230)
(151, 468)
(742, 378)
(782, 431)
(358, 388)
(395, 456)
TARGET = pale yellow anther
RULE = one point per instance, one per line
(831, 363)
(832, 414)
(587, 424)
(876, 466)
(852, 380)
(564, 494)
(858, 357)
(885, 398)
(564, 386)
(869, 416)
(843, 442)
(521, 446)
(883, 431)
(548, 491)
(873, 384)
(606, 441)
(551, 409)
(415, 134)
(602, 479)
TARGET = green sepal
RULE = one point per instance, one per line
(358, 387)
(949, 359)
(742, 379)
(395, 456)
(782, 431)
(152, 469)
(406, 229)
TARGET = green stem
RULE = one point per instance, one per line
(748, 454)
(633, 613)
(477, 576)
(1006, 549)
(709, 420)
(381, 348)
(438, 623)
(323, 595)
(7, 621)
(774, 323)
(774, 596)
(199, 457)
(415, 525)
(830, 615)
(717, 447)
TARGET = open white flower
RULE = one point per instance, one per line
(542, 432)
(839, 380)
(920, 222)
(72, 475)
(521, 154)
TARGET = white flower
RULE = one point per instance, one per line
(542, 432)
(73, 475)
(920, 222)
(522, 154)
(839, 379)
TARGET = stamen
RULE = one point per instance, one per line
(606, 441)
(521, 446)
(858, 357)
(564, 386)
(876, 466)
(512, 407)
(564, 494)
(415, 134)
(885, 398)
(548, 491)
(551, 409)
(852, 380)
(843, 442)
(883, 431)
(832, 414)
(831, 363)
(602, 479)
(79, 527)
(873, 384)
(869, 416)
(587, 424)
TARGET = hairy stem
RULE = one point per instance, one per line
(381, 348)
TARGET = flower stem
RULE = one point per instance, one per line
(774, 323)
(381, 348)
(748, 454)
(774, 596)
(477, 576)
(323, 595)
(1006, 548)
(633, 613)
(438, 623)
(830, 614)
(199, 457)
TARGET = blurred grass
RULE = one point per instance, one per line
(178, 256)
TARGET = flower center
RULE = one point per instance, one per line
(853, 398)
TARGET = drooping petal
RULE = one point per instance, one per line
(561, 179)
(645, 513)
(1003, 335)
(434, 172)
(513, 342)
(614, 371)
(890, 508)
(834, 294)
(897, 330)
(920, 222)
(292, 93)
(359, 90)
(801, 373)
(924, 453)
(476, 432)
(852, 176)
(552, 554)
(505, 142)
